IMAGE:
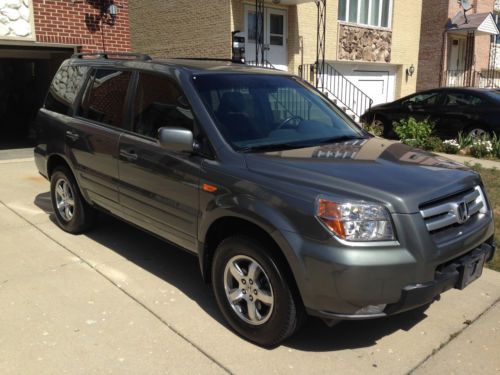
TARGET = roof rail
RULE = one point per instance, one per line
(113, 55)
(207, 59)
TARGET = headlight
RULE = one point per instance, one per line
(355, 221)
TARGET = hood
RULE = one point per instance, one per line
(375, 169)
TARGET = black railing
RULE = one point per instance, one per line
(265, 64)
(470, 78)
(336, 84)
(288, 103)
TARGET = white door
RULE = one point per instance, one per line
(375, 84)
(456, 63)
(275, 36)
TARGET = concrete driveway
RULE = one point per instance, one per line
(117, 300)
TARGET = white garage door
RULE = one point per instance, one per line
(378, 82)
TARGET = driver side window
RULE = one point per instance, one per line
(423, 100)
(160, 103)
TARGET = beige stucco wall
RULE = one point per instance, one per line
(181, 28)
(203, 29)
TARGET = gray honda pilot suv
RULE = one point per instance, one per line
(291, 208)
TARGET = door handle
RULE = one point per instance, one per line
(72, 135)
(129, 155)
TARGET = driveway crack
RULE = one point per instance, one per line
(158, 317)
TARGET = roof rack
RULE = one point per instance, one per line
(207, 59)
(113, 55)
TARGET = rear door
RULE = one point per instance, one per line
(460, 112)
(93, 136)
(158, 188)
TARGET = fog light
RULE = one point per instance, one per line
(371, 310)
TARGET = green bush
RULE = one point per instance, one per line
(374, 128)
(465, 140)
(414, 133)
(482, 147)
(451, 146)
(495, 146)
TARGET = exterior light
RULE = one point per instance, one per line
(113, 10)
(410, 71)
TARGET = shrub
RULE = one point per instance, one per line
(433, 144)
(451, 146)
(495, 146)
(374, 128)
(414, 133)
(482, 147)
(465, 140)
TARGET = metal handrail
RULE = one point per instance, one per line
(266, 64)
(469, 78)
(336, 84)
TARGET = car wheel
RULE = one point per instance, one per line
(253, 293)
(477, 131)
(73, 214)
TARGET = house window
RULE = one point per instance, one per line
(365, 12)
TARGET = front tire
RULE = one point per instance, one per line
(253, 293)
(73, 214)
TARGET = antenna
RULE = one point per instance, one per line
(466, 6)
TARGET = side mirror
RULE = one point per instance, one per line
(176, 139)
(408, 105)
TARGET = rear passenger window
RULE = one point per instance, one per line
(460, 99)
(160, 103)
(105, 97)
(64, 88)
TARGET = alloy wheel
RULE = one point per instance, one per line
(248, 290)
(65, 199)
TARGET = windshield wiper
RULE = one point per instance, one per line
(340, 139)
(272, 147)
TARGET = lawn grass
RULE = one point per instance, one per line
(491, 178)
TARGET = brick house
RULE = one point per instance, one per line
(35, 37)
(369, 45)
(458, 50)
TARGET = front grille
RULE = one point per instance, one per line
(455, 210)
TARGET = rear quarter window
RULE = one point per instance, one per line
(65, 87)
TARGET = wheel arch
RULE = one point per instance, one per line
(230, 225)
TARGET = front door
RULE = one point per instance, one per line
(158, 188)
(456, 63)
(274, 40)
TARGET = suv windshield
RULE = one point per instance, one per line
(271, 112)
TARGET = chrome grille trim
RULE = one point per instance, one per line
(451, 211)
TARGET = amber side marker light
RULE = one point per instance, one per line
(209, 188)
(329, 213)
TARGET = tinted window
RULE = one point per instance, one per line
(105, 97)
(459, 99)
(264, 111)
(160, 103)
(424, 100)
(64, 88)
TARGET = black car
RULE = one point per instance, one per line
(453, 110)
(289, 206)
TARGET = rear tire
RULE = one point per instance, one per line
(477, 131)
(253, 293)
(73, 213)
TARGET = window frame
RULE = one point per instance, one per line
(345, 17)
(133, 95)
(206, 151)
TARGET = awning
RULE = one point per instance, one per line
(480, 23)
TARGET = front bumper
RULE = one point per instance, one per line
(340, 282)
(449, 275)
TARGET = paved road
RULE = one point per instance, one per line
(117, 300)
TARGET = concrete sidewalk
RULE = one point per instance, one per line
(117, 300)
(484, 163)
